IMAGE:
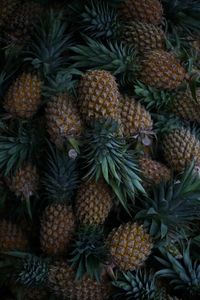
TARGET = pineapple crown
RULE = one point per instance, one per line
(9, 64)
(138, 284)
(49, 44)
(174, 205)
(106, 154)
(99, 20)
(115, 57)
(154, 99)
(182, 15)
(31, 271)
(165, 123)
(183, 273)
(88, 254)
(62, 82)
(18, 145)
(60, 177)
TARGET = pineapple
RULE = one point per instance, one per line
(63, 119)
(138, 284)
(93, 202)
(180, 147)
(57, 228)
(146, 11)
(25, 182)
(12, 237)
(144, 37)
(135, 119)
(129, 246)
(98, 96)
(88, 255)
(157, 68)
(7, 9)
(58, 220)
(182, 274)
(162, 70)
(24, 96)
(62, 282)
(153, 171)
(22, 22)
(171, 207)
(186, 107)
(35, 294)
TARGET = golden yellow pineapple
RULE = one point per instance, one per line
(63, 119)
(7, 9)
(25, 182)
(21, 23)
(24, 96)
(144, 37)
(129, 246)
(186, 107)
(57, 228)
(93, 202)
(12, 237)
(61, 280)
(146, 11)
(162, 70)
(134, 118)
(153, 171)
(180, 148)
(98, 95)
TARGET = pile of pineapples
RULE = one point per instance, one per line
(100, 149)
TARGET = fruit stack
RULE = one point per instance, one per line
(100, 149)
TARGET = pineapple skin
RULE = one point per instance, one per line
(12, 237)
(7, 8)
(144, 37)
(24, 96)
(162, 70)
(63, 119)
(22, 23)
(134, 117)
(35, 294)
(154, 172)
(98, 96)
(57, 228)
(93, 203)
(180, 147)
(185, 107)
(63, 284)
(129, 246)
(25, 182)
(146, 11)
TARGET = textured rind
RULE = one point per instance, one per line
(7, 8)
(154, 172)
(144, 37)
(24, 96)
(162, 70)
(180, 148)
(93, 203)
(62, 283)
(12, 237)
(63, 119)
(134, 117)
(129, 246)
(186, 107)
(25, 182)
(98, 96)
(146, 11)
(57, 228)
(22, 22)
(35, 294)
